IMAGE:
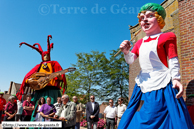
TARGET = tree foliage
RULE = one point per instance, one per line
(87, 74)
(116, 78)
(73, 87)
(99, 76)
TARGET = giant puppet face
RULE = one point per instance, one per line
(149, 23)
(46, 57)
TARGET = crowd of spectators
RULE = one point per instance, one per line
(63, 110)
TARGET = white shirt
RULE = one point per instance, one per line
(57, 106)
(93, 105)
(20, 108)
(63, 112)
(121, 109)
(111, 112)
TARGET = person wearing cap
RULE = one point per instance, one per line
(191, 107)
(10, 109)
(2, 104)
(156, 102)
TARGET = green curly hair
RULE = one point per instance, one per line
(160, 12)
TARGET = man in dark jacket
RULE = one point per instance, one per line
(92, 111)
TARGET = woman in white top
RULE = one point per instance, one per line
(19, 112)
(37, 115)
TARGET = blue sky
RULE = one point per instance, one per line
(75, 25)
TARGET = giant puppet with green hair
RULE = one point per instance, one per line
(156, 102)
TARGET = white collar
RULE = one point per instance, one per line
(152, 36)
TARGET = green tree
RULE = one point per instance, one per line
(115, 78)
(73, 85)
(87, 78)
(97, 75)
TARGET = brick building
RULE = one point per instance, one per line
(179, 19)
